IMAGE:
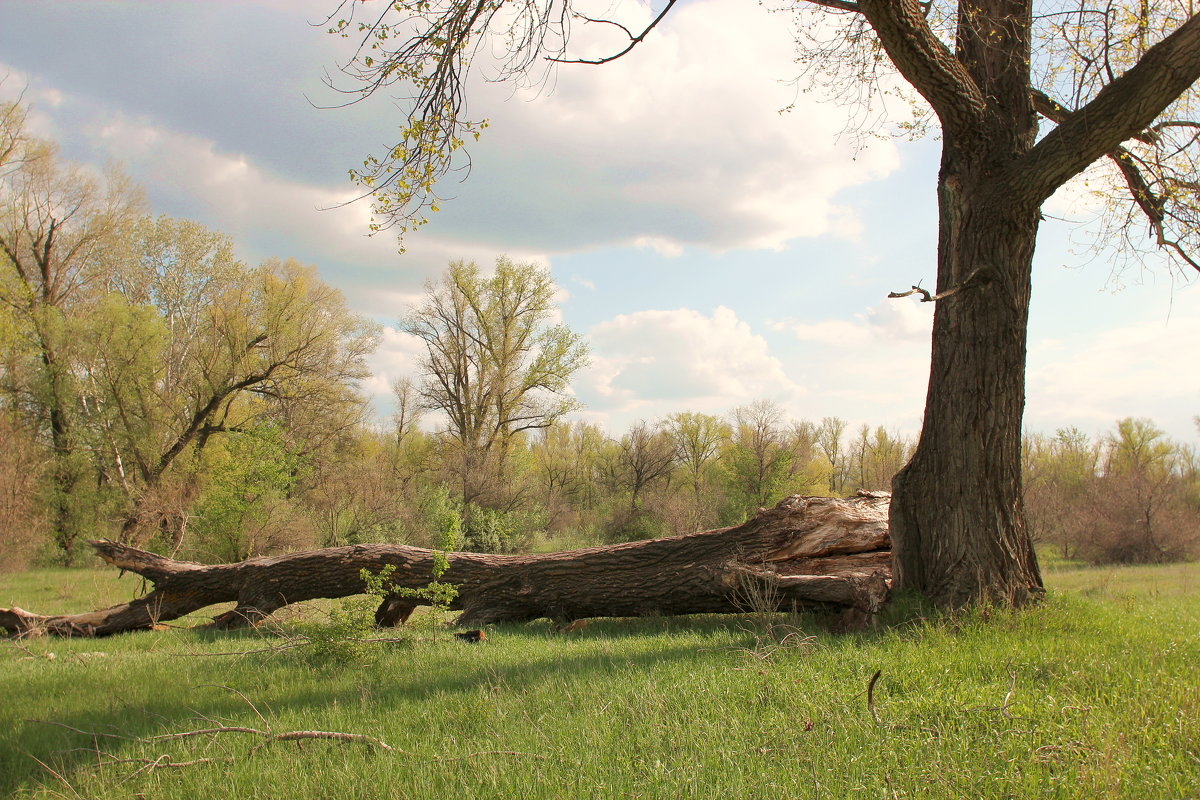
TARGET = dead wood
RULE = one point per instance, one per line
(815, 553)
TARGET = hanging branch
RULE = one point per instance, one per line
(634, 41)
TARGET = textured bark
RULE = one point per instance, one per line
(957, 516)
(811, 553)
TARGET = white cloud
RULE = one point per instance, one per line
(398, 356)
(663, 245)
(652, 363)
(276, 216)
(892, 321)
(1143, 369)
(871, 367)
(874, 367)
(679, 143)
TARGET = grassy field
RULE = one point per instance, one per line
(1096, 693)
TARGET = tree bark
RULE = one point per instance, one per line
(958, 519)
(809, 553)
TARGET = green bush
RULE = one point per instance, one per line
(495, 531)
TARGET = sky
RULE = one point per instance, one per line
(718, 233)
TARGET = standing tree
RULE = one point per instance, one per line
(493, 363)
(59, 228)
(876, 457)
(196, 345)
(697, 439)
(643, 456)
(757, 458)
(1111, 80)
(564, 463)
(829, 441)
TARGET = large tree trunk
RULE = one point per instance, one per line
(810, 553)
(958, 518)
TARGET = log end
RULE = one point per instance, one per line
(20, 623)
(394, 611)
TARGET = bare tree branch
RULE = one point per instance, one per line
(634, 41)
(838, 5)
(925, 62)
(1153, 205)
(927, 297)
(1121, 110)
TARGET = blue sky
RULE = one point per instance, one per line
(712, 249)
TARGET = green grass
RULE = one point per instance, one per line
(1095, 693)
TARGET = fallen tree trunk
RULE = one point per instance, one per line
(809, 553)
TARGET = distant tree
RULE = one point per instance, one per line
(22, 518)
(1128, 498)
(829, 441)
(495, 363)
(146, 342)
(697, 439)
(1059, 473)
(876, 456)
(1138, 507)
(196, 345)
(407, 416)
(564, 460)
(1110, 81)
(644, 456)
(59, 228)
(808, 469)
(1138, 445)
(244, 510)
(757, 459)
(18, 146)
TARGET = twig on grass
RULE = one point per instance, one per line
(80, 730)
(273, 648)
(219, 728)
(1011, 688)
(338, 736)
(871, 696)
(151, 762)
(48, 656)
(293, 641)
(25, 649)
(214, 729)
(1005, 704)
(247, 700)
(61, 779)
(478, 753)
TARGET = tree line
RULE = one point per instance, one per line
(157, 390)
(1130, 496)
